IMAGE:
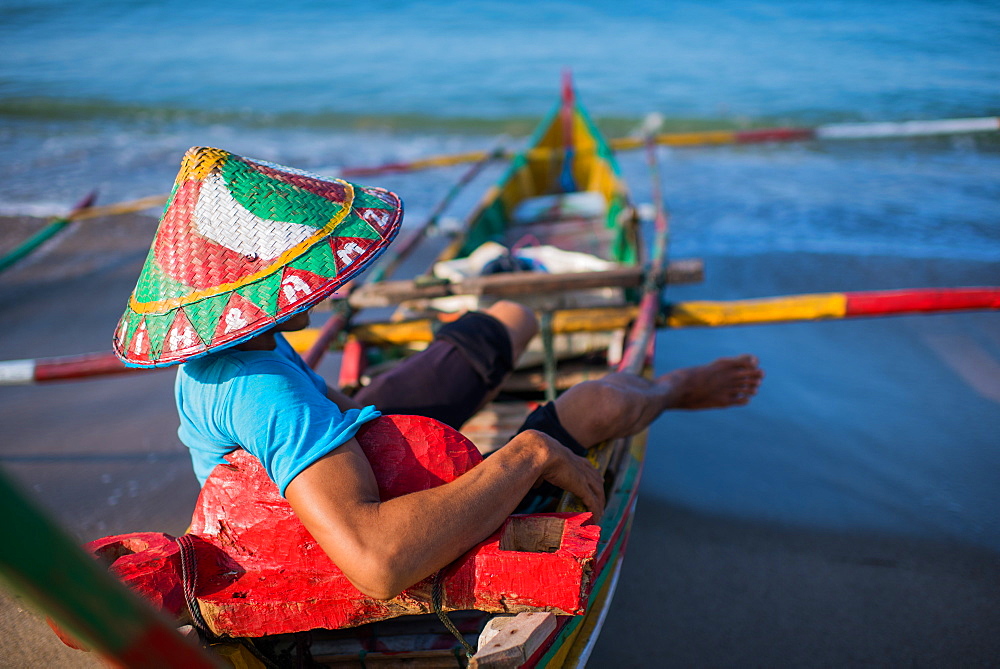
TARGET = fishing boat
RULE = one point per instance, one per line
(559, 232)
(561, 202)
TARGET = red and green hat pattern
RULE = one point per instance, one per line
(243, 245)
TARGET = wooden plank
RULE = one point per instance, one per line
(534, 380)
(508, 641)
(494, 425)
(513, 284)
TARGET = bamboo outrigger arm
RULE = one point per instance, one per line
(831, 132)
(46, 233)
(822, 306)
(788, 308)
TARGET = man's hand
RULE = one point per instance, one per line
(564, 469)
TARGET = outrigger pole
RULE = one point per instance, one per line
(830, 132)
(46, 233)
(637, 356)
(757, 311)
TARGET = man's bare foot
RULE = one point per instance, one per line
(722, 383)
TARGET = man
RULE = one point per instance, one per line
(243, 251)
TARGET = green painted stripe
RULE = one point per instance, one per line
(32, 243)
(38, 560)
(46, 233)
(272, 199)
(264, 293)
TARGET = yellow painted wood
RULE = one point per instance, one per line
(676, 139)
(594, 319)
(303, 339)
(121, 208)
(765, 310)
(237, 656)
(567, 321)
(395, 334)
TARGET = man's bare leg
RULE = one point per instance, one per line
(520, 322)
(621, 404)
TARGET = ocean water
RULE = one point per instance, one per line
(108, 94)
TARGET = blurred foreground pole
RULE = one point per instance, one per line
(39, 561)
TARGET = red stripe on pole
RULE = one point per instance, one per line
(160, 647)
(78, 367)
(918, 301)
(377, 169)
(352, 364)
(774, 135)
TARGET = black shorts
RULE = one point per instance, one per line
(451, 379)
(544, 419)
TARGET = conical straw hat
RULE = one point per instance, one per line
(243, 245)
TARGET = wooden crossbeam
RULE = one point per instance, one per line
(564, 321)
(512, 284)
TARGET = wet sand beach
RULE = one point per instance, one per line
(847, 517)
(705, 591)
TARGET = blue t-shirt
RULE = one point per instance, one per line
(267, 402)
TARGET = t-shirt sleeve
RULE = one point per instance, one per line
(280, 416)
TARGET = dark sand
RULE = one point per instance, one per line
(698, 588)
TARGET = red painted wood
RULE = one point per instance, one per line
(774, 135)
(352, 364)
(77, 367)
(261, 572)
(876, 303)
(151, 559)
(157, 649)
(333, 327)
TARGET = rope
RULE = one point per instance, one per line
(189, 584)
(436, 602)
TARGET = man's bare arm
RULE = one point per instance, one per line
(385, 547)
(342, 401)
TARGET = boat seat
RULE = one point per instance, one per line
(260, 572)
